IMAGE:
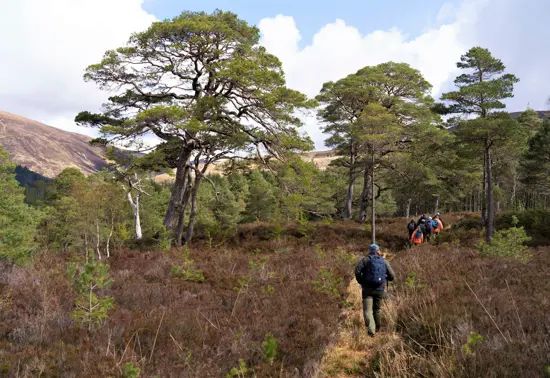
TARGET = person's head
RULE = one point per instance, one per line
(412, 220)
(430, 218)
(374, 249)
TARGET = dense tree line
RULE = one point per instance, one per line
(204, 87)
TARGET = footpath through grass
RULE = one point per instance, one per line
(451, 314)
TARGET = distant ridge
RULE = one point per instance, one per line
(47, 150)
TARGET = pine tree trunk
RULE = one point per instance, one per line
(484, 192)
(373, 204)
(193, 213)
(351, 181)
(175, 204)
(365, 194)
(408, 211)
(181, 218)
(490, 205)
(436, 205)
(514, 190)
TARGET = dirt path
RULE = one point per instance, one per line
(354, 352)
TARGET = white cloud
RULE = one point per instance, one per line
(46, 46)
(339, 49)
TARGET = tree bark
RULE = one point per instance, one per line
(490, 205)
(373, 204)
(436, 205)
(484, 192)
(351, 181)
(365, 194)
(408, 209)
(181, 218)
(135, 208)
(193, 213)
(175, 204)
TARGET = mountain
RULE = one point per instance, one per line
(46, 150)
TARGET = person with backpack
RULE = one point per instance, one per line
(411, 227)
(372, 273)
(422, 219)
(428, 229)
(417, 236)
(437, 225)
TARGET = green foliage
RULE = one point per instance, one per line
(186, 270)
(305, 227)
(473, 340)
(17, 220)
(239, 372)
(482, 88)
(536, 161)
(261, 203)
(130, 371)
(412, 282)
(507, 243)
(346, 258)
(91, 309)
(270, 347)
(241, 103)
(303, 190)
(327, 283)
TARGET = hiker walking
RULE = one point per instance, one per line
(411, 227)
(417, 236)
(372, 272)
(428, 229)
(437, 225)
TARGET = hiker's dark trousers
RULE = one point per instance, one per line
(372, 301)
(428, 236)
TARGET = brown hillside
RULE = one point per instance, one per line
(45, 149)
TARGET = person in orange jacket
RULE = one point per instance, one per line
(417, 236)
(438, 225)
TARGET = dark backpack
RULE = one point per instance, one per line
(375, 272)
(418, 233)
(429, 226)
(412, 226)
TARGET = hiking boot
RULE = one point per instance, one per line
(371, 334)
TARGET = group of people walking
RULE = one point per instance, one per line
(373, 271)
(426, 228)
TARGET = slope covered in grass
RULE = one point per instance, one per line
(452, 314)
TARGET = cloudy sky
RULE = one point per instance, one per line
(46, 44)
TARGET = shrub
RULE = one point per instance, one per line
(131, 371)
(326, 282)
(270, 346)
(507, 243)
(473, 339)
(239, 372)
(90, 308)
(187, 271)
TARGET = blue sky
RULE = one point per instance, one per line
(412, 17)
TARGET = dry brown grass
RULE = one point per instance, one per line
(259, 282)
(442, 294)
(255, 284)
